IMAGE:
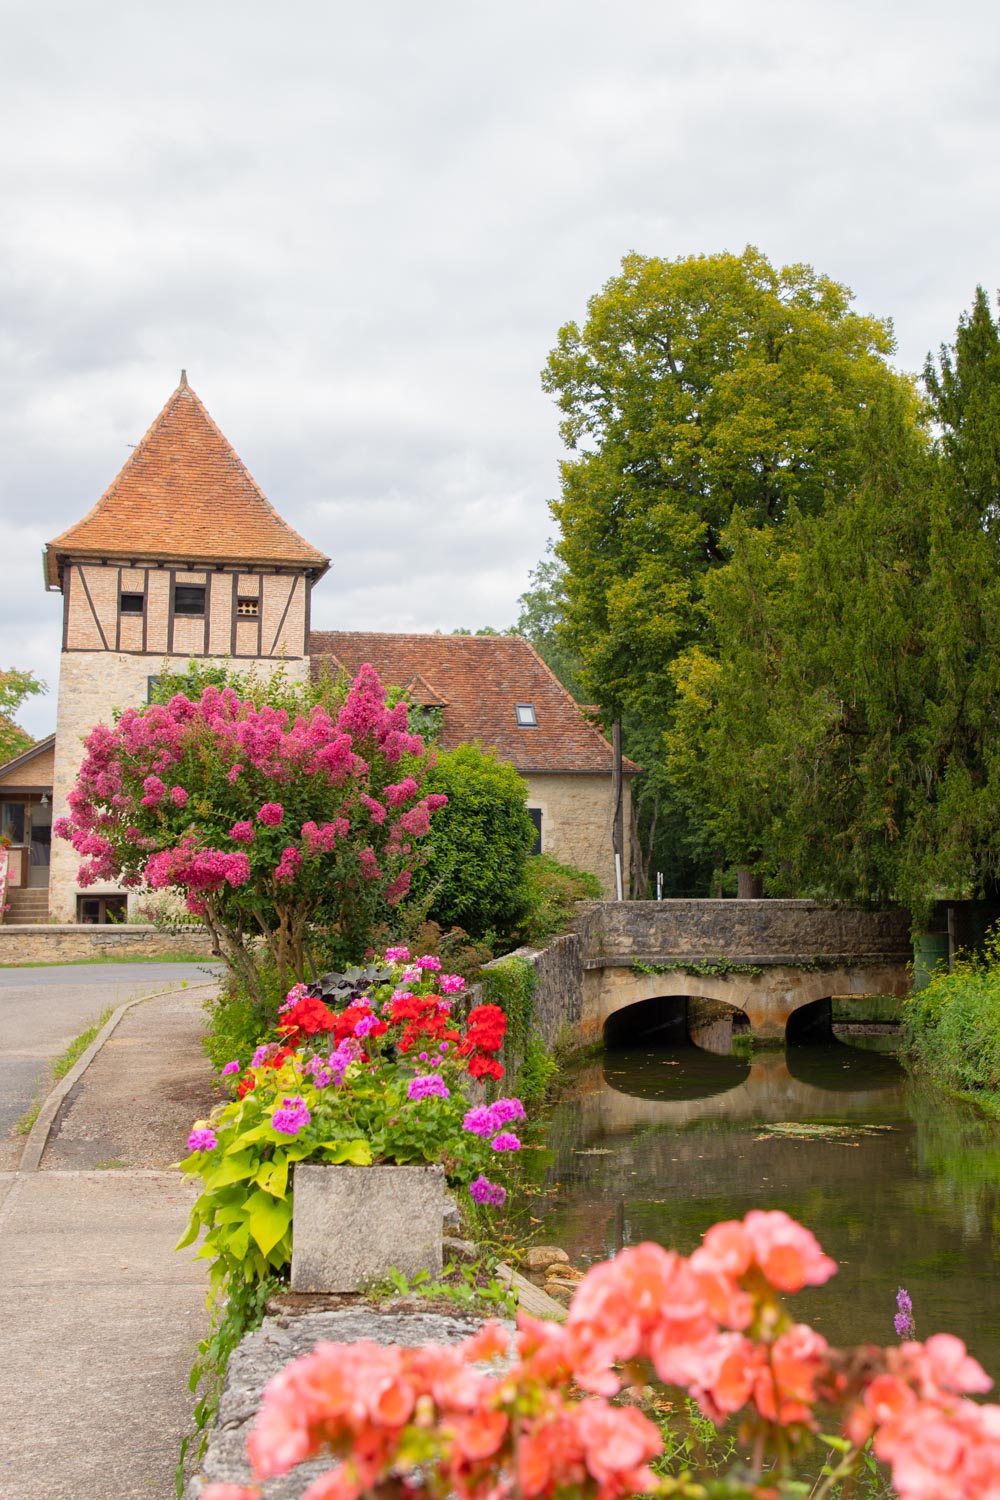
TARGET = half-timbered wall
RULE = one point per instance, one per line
(135, 610)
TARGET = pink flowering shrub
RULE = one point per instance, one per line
(434, 1421)
(262, 823)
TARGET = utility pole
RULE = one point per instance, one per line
(618, 826)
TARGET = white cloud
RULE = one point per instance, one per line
(361, 228)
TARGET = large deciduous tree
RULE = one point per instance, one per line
(696, 388)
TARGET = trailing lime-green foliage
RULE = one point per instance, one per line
(553, 893)
(474, 875)
(952, 1028)
(510, 983)
(233, 1317)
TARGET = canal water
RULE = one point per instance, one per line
(899, 1182)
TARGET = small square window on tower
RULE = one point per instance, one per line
(132, 603)
(526, 715)
(248, 609)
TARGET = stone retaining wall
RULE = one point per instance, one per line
(71, 943)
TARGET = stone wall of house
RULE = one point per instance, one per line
(91, 685)
(577, 815)
(39, 944)
(37, 772)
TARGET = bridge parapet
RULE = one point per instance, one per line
(761, 932)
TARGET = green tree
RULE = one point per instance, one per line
(840, 732)
(474, 876)
(15, 687)
(695, 389)
(695, 386)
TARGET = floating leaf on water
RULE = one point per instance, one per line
(820, 1132)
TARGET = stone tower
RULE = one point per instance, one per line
(182, 558)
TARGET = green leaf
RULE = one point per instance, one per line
(190, 1234)
(269, 1219)
(355, 1153)
(232, 1169)
(273, 1176)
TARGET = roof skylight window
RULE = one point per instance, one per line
(525, 713)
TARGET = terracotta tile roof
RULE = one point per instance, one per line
(478, 679)
(184, 495)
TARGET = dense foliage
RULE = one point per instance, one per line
(951, 1028)
(474, 877)
(695, 389)
(265, 826)
(836, 728)
(15, 687)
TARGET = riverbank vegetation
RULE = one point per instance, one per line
(951, 1029)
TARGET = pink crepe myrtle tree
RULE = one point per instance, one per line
(265, 825)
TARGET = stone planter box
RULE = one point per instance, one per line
(350, 1225)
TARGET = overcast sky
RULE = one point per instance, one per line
(360, 227)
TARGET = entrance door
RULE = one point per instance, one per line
(41, 846)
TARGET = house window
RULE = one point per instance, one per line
(525, 713)
(131, 604)
(248, 608)
(189, 599)
(101, 911)
(12, 821)
(535, 814)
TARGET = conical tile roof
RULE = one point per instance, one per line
(184, 496)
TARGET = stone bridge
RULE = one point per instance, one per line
(757, 966)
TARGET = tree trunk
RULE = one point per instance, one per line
(749, 886)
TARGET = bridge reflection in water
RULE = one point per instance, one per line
(686, 1085)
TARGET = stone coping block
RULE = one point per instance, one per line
(282, 1339)
(351, 1225)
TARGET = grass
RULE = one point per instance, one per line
(61, 1066)
(116, 958)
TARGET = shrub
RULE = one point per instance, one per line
(266, 825)
(952, 1028)
(553, 892)
(474, 876)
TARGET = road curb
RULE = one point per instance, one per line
(38, 1137)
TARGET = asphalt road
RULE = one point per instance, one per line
(42, 1010)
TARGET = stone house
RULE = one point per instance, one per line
(184, 558)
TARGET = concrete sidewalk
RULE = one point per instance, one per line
(102, 1316)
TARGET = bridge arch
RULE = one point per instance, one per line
(768, 995)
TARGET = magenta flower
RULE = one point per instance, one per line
(271, 813)
(505, 1142)
(484, 1191)
(242, 832)
(364, 1026)
(451, 984)
(202, 1140)
(397, 955)
(231, 1068)
(153, 790)
(427, 1085)
(291, 1117)
(430, 962)
(178, 796)
(502, 1111)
